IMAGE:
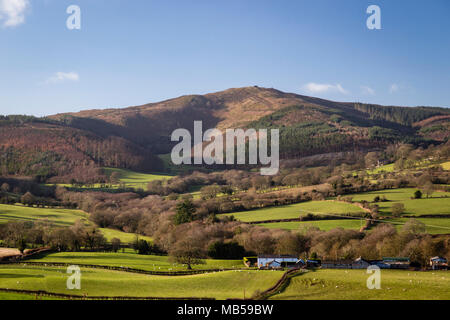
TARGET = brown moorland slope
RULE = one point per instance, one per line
(150, 125)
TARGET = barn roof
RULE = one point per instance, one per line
(396, 259)
(269, 256)
(438, 259)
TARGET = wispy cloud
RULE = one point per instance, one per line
(63, 77)
(314, 88)
(12, 12)
(393, 88)
(367, 90)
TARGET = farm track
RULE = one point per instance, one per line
(280, 285)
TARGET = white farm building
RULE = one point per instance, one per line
(278, 261)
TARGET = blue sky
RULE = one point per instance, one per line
(136, 52)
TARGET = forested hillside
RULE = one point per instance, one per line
(55, 152)
(61, 147)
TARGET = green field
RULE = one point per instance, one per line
(57, 217)
(123, 236)
(311, 285)
(131, 260)
(96, 282)
(381, 169)
(446, 165)
(435, 205)
(294, 211)
(128, 178)
(135, 180)
(324, 225)
(432, 225)
(419, 165)
(426, 206)
(351, 284)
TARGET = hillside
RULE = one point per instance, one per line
(300, 118)
(132, 137)
(47, 149)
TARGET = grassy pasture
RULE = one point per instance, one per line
(425, 206)
(123, 236)
(435, 205)
(296, 210)
(294, 190)
(132, 260)
(381, 169)
(419, 165)
(96, 282)
(133, 179)
(446, 165)
(351, 284)
(324, 225)
(433, 225)
(130, 179)
(57, 217)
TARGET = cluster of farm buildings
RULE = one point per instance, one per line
(286, 261)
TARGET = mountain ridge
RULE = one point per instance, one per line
(132, 137)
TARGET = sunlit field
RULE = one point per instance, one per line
(324, 225)
(352, 284)
(124, 237)
(132, 260)
(136, 180)
(294, 211)
(96, 282)
(57, 217)
(438, 203)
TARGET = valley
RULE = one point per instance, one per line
(97, 189)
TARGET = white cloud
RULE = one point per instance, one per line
(62, 77)
(323, 87)
(393, 88)
(367, 90)
(13, 12)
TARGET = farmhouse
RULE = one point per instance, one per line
(250, 261)
(397, 263)
(313, 263)
(438, 263)
(336, 264)
(380, 264)
(278, 261)
(346, 264)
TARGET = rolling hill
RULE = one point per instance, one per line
(132, 137)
